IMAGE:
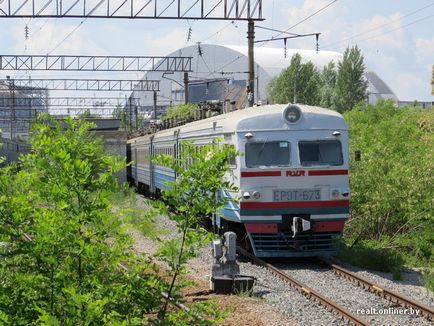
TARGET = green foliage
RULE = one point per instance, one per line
(392, 193)
(338, 88)
(211, 313)
(428, 277)
(194, 196)
(182, 111)
(371, 255)
(299, 83)
(63, 243)
(328, 81)
(125, 206)
(351, 86)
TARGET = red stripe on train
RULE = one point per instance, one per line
(295, 204)
(332, 226)
(327, 172)
(311, 173)
(261, 174)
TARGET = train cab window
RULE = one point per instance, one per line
(267, 153)
(322, 152)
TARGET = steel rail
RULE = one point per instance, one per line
(305, 290)
(380, 291)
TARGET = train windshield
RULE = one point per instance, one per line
(323, 152)
(267, 153)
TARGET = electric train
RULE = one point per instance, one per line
(292, 175)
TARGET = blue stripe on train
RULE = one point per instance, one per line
(161, 178)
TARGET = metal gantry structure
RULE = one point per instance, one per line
(121, 85)
(134, 9)
(233, 10)
(23, 103)
(94, 63)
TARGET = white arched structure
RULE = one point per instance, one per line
(229, 64)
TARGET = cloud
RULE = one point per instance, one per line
(384, 30)
(52, 38)
(407, 84)
(425, 50)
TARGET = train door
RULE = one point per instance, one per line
(151, 167)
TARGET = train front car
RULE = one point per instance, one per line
(294, 186)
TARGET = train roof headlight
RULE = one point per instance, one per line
(248, 135)
(336, 133)
(292, 113)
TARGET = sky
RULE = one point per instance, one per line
(396, 37)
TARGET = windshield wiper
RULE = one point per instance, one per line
(262, 147)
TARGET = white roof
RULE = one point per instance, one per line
(267, 117)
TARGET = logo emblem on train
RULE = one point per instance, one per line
(299, 173)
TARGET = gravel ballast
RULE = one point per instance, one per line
(289, 307)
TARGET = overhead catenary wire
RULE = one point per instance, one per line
(302, 21)
(330, 45)
(67, 36)
(397, 28)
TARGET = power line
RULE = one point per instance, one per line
(67, 36)
(379, 26)
(302, 21)
(310, 16)
(276, 30)
(394, 29)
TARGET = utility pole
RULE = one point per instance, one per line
(257, 85)
(130, 114)
(136, 113)
(251, 81)
(155, 106)
(185, 87)
(12, 107)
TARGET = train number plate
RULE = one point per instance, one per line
(297, 195)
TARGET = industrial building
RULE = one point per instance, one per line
(18, 107)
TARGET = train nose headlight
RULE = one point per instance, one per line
(256, 195)
(345, 193)
(335, 193)
(246, 195)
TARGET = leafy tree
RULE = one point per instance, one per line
(351, 85)
(392, 193)
(63, 245)
(328, 81)
(299, 83)
(194, 195)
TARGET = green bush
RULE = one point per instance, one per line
(182, 111)
(64, 244)
(392, 186)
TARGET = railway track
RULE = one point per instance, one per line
(354, 278)
(307, 291)
(379, 290)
